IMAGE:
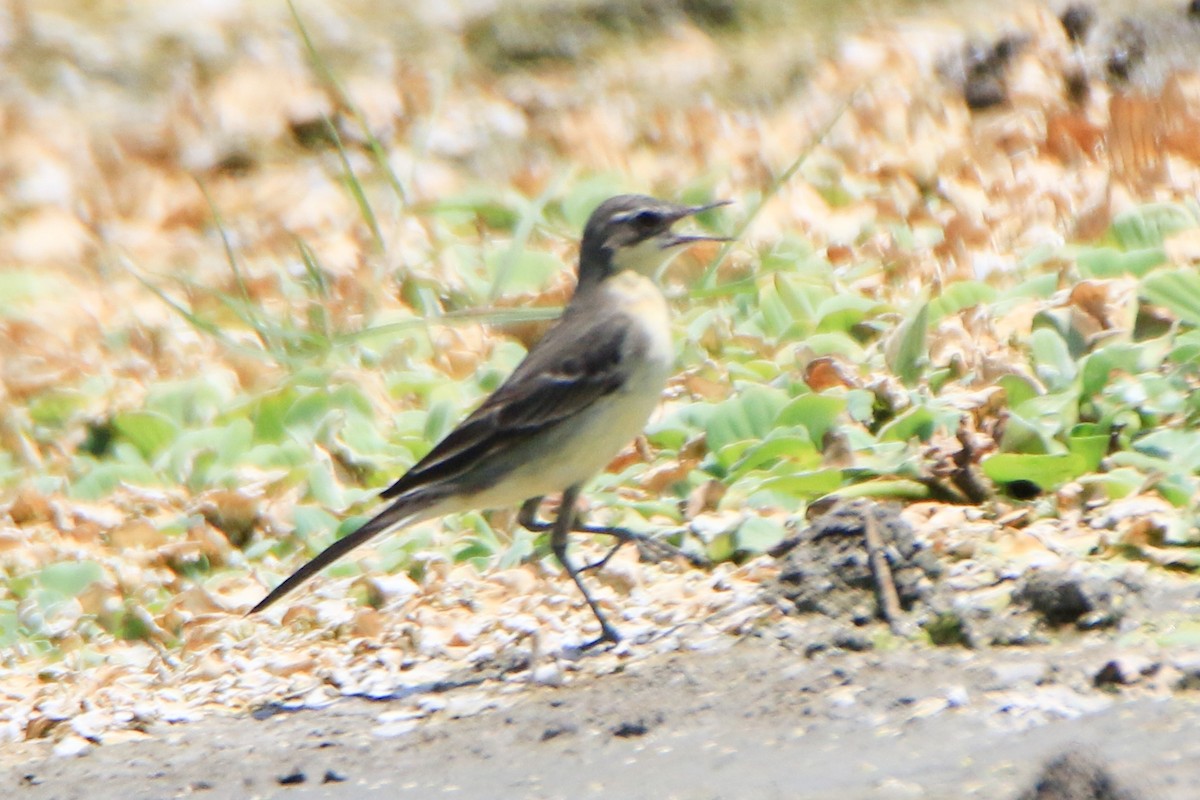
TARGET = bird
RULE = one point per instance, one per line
(581, 394)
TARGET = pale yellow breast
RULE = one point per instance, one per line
(641, 300)
(575, 450)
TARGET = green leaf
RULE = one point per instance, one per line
(1177, 290)
(721, 547)
(907, 359)
(1055, 365)
(758, 534)
(918, 421)
(1101, 364)
(1106, 262)
(1017, 389)
(748, 415)
(1148, 225)
(1022, 436)
(1180, 448)
(816, 412)
(440, 420)
(773, 318)
(1185, 349)
(69, 578)
(815, 483)
(10, 623)
(799, 449)
(313, 524)
(323, 486)
(1089, 441)
(959, 295)
(835, 344)
(55, 408)
(885, 488)
(268, 412)
(101, 480)
(148, 431)
(842, 312)
(801, 298)
(190, 402)
(1047, 471)
(1039, 287)
(1116, 483)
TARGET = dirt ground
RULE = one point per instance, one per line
(780, 713)
(753, 720)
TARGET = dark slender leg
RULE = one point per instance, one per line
(650, 548)
(558, 543)
(528, 517)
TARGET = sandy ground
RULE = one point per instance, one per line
(751, 718)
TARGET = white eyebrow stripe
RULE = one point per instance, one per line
(625, 216)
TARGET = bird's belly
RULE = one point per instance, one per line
(577, 449)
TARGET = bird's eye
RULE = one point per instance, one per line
(647, 221)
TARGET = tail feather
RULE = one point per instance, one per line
(404, 511)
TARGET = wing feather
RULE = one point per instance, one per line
(571, 368)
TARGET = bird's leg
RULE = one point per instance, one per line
(528, 518)
(649, 548)
(558, 543)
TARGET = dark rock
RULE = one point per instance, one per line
(292, 778)
(630, 729)
(1128, 51)
(1060, 598)
(1077, 20)
(554, 731)
(1075, 776)
(1124, 671)
(828, 572)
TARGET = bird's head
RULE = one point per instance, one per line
(633, 232)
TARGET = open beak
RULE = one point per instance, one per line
(676, 239)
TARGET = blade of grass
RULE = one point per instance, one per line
(706, 281)
(313, 267)
(356, 189)
(505, 316)
(524, 229)
(284, 341)
(316, 276)
(283, 338)
(251, 319)
(325, 74)
(197, 322)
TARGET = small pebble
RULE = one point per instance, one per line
(72, 746)
(292, 778)
(549, 674)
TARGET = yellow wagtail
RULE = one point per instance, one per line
(580, 395)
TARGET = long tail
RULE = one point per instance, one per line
(405, 511)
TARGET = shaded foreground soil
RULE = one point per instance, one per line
(751, 718)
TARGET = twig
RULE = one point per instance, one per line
(965, 476)
(885, 584)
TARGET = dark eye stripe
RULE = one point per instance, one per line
(644, 223)
(648, 219)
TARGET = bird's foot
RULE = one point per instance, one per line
(608, 635)
(650, 548)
